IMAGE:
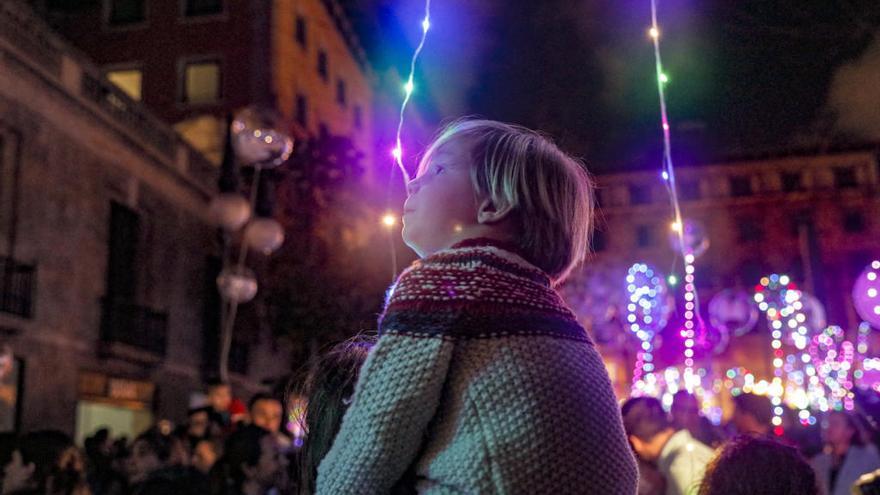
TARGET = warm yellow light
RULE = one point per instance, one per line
(676, 226)
(389, 220)
(654, 32)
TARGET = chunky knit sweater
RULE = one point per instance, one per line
(482, 381)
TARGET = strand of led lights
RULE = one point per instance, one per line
(693, 320)
(408, 89)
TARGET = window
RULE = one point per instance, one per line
(128, 80)
(300, 31)
(639, 195)
(358, 117)
(845, 178)
(122, 252)
(302, 110)
(792, 182)
(340, 92)
(689, 190)
(599, 241)
(123, 12)
(750, 230)
(740, 186)
(201, 82)
(322, 64)
(854, 222)
(196, 8)
(645, 236)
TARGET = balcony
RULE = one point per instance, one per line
(133, 332)
(17, 282)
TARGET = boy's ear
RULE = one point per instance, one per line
(488, 212)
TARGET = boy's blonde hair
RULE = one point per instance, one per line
(549, 192)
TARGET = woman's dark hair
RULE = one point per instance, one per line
(58, 465)
(243, 447)
(328, 390)
(752, 465)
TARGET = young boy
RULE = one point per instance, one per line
(482, 381)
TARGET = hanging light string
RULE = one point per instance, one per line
(693, 320)
(408, 89)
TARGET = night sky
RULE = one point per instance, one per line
(745, 75)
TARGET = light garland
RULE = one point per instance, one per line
(646, 314)
(408, 89)
(693, 321)
(776, 296)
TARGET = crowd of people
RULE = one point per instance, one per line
(221, 449)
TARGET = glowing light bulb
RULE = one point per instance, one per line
(426, 24)
(397, 153)
(389, 220)
(673, 280)
(654, 32)
(676, 226)
(409, 87)
(664, 78)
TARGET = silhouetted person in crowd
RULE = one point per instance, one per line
(219, 397)
(847, 455)
(752, 414)
(199, 424)
(103, 478)
(205, 454)
(251, 464)
(328, 391)
(154, 469)
(45, 463)
(686, 415)
(679, 457)
(758, 465)
(266, 411)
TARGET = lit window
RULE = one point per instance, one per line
(201, 82)
(128, 80)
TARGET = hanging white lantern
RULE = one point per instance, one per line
(264, 235)
(237, 284)
(229, 211)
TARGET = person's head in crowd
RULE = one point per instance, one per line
(150, 452)
(205, 454)
(219, 395)
(685, 410)
(328, 391)
(266, 411)
(647, 426)
(841, 430)
(99, 444)
(238, 412)
(198, 422)
(250, 464)
(755, 465)
(752, 414)
(45, 462)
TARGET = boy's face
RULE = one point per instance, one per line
(441, 203)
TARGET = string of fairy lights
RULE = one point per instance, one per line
(693, 322)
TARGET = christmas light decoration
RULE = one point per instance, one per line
(408, 89)
(647, 312)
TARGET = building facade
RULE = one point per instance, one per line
(194, 61)
(811, 215)
(108, 299)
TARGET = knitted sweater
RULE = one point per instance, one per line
(482, 381)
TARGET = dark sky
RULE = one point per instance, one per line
(744, 74)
